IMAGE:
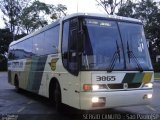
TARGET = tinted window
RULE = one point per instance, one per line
(51, 40)
(135, 46)
(38, 44)
(27, 45)
(102, 40)
(73, 39)
(41, 44)
(65, 43)
(21, 50)
(11, 53)
(16, 51)
(69, 46)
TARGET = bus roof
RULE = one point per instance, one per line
(115, 17)
(102, 16)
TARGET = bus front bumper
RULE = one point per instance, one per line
(112, 99)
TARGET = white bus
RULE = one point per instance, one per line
(86, 61)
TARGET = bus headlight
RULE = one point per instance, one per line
(90, 87)
(147, 96)
(148, 85)
(95, 87)
(99, 87)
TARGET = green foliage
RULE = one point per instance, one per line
(5, 39)
(38, 14)
(11, 13)
(24, 16)
(31, 19)
(127, 9)
(149, 13)
(3, 63)
(156, 67)
(60, 10)
(110, 5)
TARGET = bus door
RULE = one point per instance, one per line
(71, 82)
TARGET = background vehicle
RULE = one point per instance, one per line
(87, 61)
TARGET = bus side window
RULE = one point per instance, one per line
(73, 47)
(65, 44)
(38, 44)
(52, 40)
(27, 48)
(69, 46)
(11, 53)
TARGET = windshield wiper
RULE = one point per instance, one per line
(131, 54)
(114, 58)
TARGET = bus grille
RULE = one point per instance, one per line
(122, 86)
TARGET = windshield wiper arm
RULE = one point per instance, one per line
(131, 54)
(114, 58)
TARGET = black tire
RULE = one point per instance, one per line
(57, 98)
(16, 83)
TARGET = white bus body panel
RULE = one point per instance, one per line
(115, 98)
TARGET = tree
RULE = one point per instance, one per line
(5, 40)
(127, 9)
(3, 63)
(12, 10)
(60, 10)
(110, 6)
(24, 16)
(33, 18)
(38, 14)
(148, 12)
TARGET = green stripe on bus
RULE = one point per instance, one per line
(128, 78)
(36, 72)
(138, 78)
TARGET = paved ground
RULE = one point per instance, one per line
(27, 106)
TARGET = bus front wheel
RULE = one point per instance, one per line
(57, 97)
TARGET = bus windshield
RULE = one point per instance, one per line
(114, 45)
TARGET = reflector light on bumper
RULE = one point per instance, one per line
(98, 101)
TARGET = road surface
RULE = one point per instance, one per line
(25, 105)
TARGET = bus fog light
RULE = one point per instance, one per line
(95, 99)
(149, 96)
(95, 87)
